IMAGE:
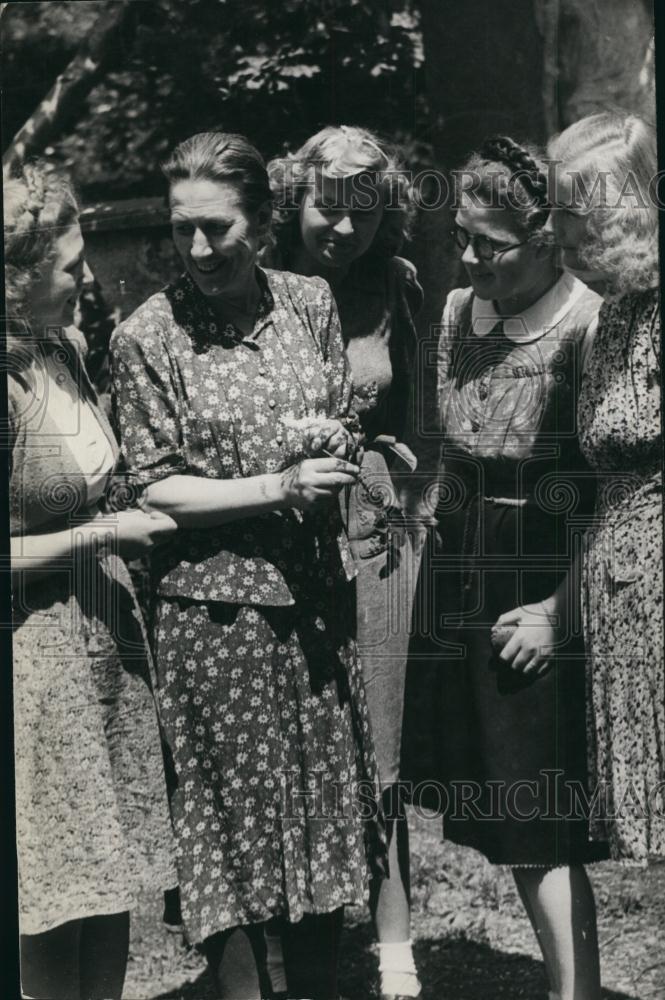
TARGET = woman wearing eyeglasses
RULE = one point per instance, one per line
(495, 707)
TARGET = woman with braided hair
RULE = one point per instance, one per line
(92, 815)
(494, 734)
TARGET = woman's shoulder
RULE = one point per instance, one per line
(406, 274)
(308, 288)
(457, 301)
(148, 321)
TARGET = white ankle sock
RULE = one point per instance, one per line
(398, 970)
(275, 963)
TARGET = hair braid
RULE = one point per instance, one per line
(520, 161)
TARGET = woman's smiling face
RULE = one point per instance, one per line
(54, 295)
(216, 236)
(339, 218)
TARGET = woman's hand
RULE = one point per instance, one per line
(319, 435)
(134, 533)
(530, 648)
(316, 479)
(331, 437)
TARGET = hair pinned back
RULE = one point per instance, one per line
(508, 175)
(38, 205)
(523, 164)
(221, 156)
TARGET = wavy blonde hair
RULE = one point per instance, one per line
(622, 238)
(38, 205)
(291, 178)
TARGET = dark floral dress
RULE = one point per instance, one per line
(620, 433)
(259, 686)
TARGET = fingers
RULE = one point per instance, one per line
(512, 647)
(323, 465)
(335, 479)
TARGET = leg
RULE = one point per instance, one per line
(103, 954)
(526, 903)
(311, 950)
(562, 910)
(390, 907)
(233, 958)
(50, 963)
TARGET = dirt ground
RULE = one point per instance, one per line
(472, 939)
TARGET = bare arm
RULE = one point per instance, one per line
(196, 502)
(129, 533)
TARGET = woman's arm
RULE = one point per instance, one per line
(195, 502)
(129, 534)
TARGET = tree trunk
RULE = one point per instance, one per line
(72, 86)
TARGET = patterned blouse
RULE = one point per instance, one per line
(198, 399)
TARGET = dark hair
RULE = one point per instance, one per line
(505, 174)
(221, 156)
(291, 178)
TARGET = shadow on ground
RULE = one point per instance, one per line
(452, 969)
(457, 969)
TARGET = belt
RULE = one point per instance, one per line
(507, 501)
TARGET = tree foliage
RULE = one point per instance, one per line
(274, 71)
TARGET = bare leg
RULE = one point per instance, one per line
(390, 897)
(103, 953)
(526, 903)
(50, 963)
(390, 905)
(562, 911)
(233, 962)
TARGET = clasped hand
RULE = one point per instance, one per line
(530, 649)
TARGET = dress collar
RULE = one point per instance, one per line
(203, 318)
(537, 319)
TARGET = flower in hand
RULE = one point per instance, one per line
(321, 435)
(530, 648)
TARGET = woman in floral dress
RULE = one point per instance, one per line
(612, 245)
(226, 382)
(92, 818)
(345, 209)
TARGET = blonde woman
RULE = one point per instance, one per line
(343, 209)
(605, 220)
(91, 809)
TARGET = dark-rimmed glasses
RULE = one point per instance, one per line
(483, 247)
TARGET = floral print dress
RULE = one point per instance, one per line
(92, 817)
(619, 419)
(259, 686)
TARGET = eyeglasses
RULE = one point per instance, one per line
(483, 247)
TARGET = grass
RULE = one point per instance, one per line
(472, 940)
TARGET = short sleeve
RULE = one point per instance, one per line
(448, 338)
(145, 401)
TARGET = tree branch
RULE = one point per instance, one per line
(72, 86)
